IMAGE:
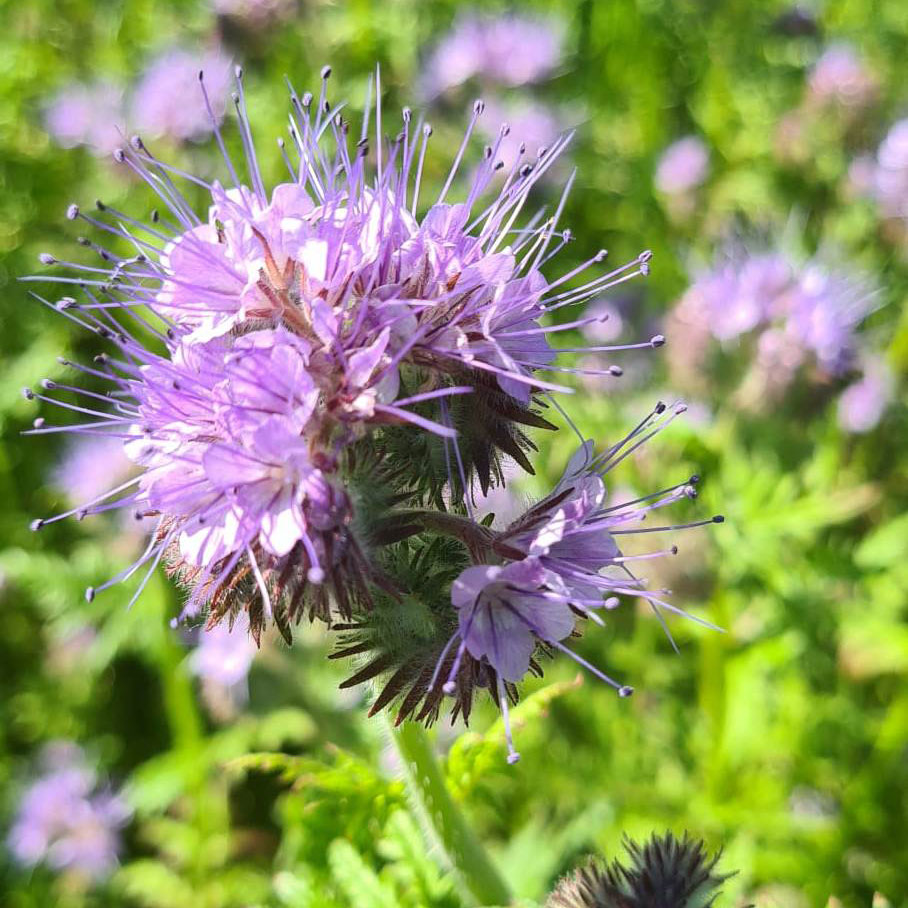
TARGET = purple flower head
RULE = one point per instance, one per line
(683, 166)
(561, 561)
(507, 50)
(292, 326)
(161, 104)
(840, 77)
(862, 404)
(66, 821)
(91, 115)
(797, 315)
(221, 432)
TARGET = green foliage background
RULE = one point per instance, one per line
(784, 740)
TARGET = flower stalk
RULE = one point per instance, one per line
(442, 818)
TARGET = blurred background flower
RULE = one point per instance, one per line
(683, 166)
(66, 819)
(221, 659)
(90, 115)
(167, 100)
(840, 77)
(507, 50)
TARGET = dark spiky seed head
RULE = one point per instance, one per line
(666, 872)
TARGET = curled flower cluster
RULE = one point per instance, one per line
(313, 380)
(66, 820)
(558, 561)
(797, 313)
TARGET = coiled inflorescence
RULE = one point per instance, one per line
(314, 380)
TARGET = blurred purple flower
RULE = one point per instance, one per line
(861, 176)
(739, 294)
(91, 115)
(862, 403)
(890, 179)
(507, 50)
(65, 820)
(840, 77)
(815, 304)
(502, 500)
(683, 166)
(168, 100)
(795, 311)
(224, 653)
(89, 466)
(531, 128)
(824, 310)
(69, 652)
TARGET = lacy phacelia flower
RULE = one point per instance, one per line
(90, 115)
(283, 358)
(556, 563)
(508, 50)
(66, 820)
(160, 104)
(683, 166)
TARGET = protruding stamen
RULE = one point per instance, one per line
(513, 755)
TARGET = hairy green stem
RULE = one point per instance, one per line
(443, 818)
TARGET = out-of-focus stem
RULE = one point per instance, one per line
(443, 818)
